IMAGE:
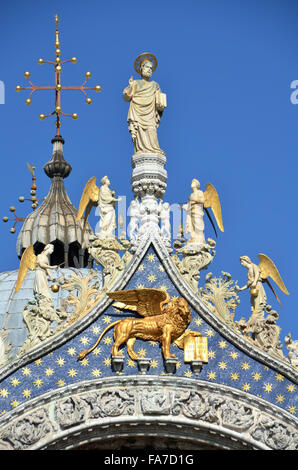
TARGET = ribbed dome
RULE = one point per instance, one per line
(55, 220)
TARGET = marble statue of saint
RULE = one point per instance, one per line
(147, 103)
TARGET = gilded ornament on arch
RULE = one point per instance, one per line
(195, 348)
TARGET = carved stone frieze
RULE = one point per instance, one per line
(27, 431)
(110, 403)
(275, 435)
(70, 412)
(200, 407)
(155, 401)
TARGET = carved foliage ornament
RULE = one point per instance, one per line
(223, 414)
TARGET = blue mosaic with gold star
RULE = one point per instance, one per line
(226, 365)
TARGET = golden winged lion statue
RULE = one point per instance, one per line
(164, 320)
(257, 275)
(199, 201)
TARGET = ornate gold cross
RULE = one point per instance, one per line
(58, 87)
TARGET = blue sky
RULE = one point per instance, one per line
(226, 67)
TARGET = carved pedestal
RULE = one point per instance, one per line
(117, 363)
(144, 365)
(170, 365)
(196, 366)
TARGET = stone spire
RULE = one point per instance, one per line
(55, 220)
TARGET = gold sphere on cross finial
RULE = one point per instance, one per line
(57, 65)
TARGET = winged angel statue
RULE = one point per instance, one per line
(257, 275)
(164, 320)
(41, 265)
(199, 201)
(104, 198)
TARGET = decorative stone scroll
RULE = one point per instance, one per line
(195, 258)
(106, 253)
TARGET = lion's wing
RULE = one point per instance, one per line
(147, 302)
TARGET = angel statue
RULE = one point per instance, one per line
(41, 265)
(104, 198)
(197, 202)
(257, 275)
(146, 106)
